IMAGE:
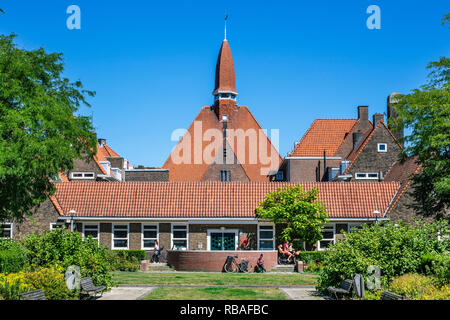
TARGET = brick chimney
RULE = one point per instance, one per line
(377, 117)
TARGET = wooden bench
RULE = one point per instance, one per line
(88, 286)
(344, 288)
(387, 295)
(33, 295)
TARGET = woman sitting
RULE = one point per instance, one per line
(260, 264)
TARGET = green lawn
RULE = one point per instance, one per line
(215, 293)
(215, 278)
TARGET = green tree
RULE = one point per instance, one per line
(39, 134)
(426, 113)
(299, 210)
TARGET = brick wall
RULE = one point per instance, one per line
(84, 165)
(305, 169)
(214, 260)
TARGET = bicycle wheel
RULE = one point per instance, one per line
(230, 267)
(249, 267)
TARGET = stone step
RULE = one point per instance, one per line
(283, 268)
(148, 266)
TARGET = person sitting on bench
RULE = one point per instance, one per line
(284, 249)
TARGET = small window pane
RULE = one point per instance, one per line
(179, 234)
(150, 234)
(266, 244)
(120, 243)
(149, 244)
(179, 244)
(120, 234)
(266, 234)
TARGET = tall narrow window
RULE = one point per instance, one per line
(91, 230)
(149, 235)
(266, 236)
(6, 230)
(327, 237)
(179, 237)
(120, 236)
(225, 175)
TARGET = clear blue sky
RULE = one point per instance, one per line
(152, 62)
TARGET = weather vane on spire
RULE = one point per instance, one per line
(226, 17)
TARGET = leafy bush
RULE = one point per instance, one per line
(312, 266)
(411, 285)
(12, 257)
(395, 249)
(434, 293)
(438, 266)
(119, 261)
(51, 281)
(61, 248)
(130, 254)
(12, 285)
(308, 256)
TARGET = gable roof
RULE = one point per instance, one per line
(324, 134)
(241, 119)
(357, 151)
(212, 199)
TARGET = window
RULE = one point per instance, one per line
(222, 239)
(82, 175)
(225, 175)
(382, 147)
(179, 237)
(327, 237)
(279, 176)
(55, 225)
(149, 235)
(266, 237)
(120, 236)
(91, 229)
(365, 175)
(354, 227)
(6, 230)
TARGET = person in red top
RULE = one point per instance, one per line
(260, 263)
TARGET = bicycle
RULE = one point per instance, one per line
(231, 265)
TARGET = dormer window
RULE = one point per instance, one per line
(382, 147)
(82, 175)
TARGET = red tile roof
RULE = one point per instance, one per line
(324, 134)
(225, 78)
(212, 199)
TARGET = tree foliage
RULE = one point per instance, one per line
(39, 134)
(301, 211)
(426, 112)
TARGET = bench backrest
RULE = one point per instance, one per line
(387, 295)
(33, 295)
(87, 284)
(346, 284)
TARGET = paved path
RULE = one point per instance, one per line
(303, 294)
(126, 293)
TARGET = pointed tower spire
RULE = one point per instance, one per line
(226, 17)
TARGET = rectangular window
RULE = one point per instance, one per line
(55, 225)
(179, 237)
(225, 175)
(149, 235)
(327, 237)
(91, 229)
(6, 230)
(382, 147)
(266, 237)
(222, 240)
(365, 175)
(82, 175)
(120, 236)
(354, 227)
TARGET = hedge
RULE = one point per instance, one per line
(12, 258)
(311, 256)
(128, 254)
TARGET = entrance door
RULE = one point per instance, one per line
(223, 240)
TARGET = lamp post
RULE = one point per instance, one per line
(376, 213)
(72, 214)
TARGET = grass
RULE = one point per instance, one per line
(215, 278)
(215, 293)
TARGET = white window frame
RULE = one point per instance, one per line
(333, 240)
(378, 147)
(143, 225)
(57, 224)
(98, 230)
(187, 234)
(127, 238)
(11, 229)
(208, 237)
(273, 238)
(366, 175)
(83, 175)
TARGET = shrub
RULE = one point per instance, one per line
(395, 249)
(12, 257)
(434, 293)
(12, 285)
(312, 266)
(308, 256)
(130, 254)
(51, 281)
(438, 266)
(61, 248)
(411, 285)
(119, 262)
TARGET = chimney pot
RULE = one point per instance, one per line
(363, 113)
